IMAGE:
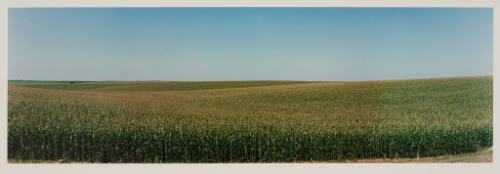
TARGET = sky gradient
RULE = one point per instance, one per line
(201, 44)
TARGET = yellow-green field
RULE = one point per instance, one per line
(248, 121)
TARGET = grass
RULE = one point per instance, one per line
(148, 86)
(35, 82)
(481, 156)
(249, 121)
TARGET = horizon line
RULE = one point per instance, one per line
(252, 80)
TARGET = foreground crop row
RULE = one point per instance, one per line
(212, 145)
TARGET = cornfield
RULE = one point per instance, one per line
(248, 121)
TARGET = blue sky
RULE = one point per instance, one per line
(198, 44)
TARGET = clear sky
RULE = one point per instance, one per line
(248, 43)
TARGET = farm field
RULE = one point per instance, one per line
(248, 121)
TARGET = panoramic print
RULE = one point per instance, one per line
(250, 85)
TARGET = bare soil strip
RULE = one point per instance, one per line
(483, 156)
